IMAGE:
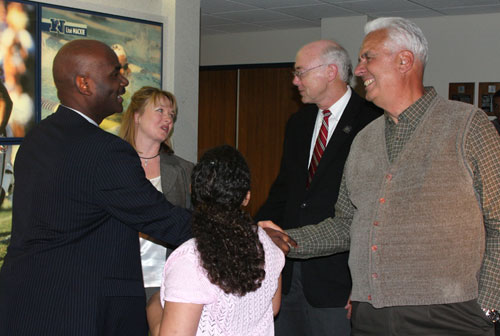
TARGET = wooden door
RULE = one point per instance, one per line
(267, 98)
(217, 109)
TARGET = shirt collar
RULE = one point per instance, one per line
(338, 107)
(83, 115)
(414, 113)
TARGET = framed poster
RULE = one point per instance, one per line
(7, 154)
(18, 50)
(463, 92)
(31, 33)
(486, 92)
(137, 43)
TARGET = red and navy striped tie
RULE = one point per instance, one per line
(319, 147)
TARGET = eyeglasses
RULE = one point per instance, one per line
(299, 74)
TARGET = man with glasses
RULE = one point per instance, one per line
(317, 141)
(419, 202)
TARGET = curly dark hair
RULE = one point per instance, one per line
(226, 236)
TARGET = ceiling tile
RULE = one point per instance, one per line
(471, 10)
(210, 20)
(210, 31)
(370, 6)
(408, 14)
(239, 28)
(278, 3)
(220, 6)
(255, 15)
(316, 12)
(291, 24)
(438, 4)
(335, 2)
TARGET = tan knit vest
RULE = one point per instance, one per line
(417, 237)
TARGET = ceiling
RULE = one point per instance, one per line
(236, 16)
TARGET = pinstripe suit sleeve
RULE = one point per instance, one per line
(125, 193)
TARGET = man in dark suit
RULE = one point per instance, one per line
(316, 290)
(73, 265)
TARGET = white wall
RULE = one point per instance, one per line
(180, 20)
(347, 31)
(462, 48)
(276, 46)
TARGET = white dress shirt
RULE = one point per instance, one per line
(336, 109)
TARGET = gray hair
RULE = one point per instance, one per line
(402, 33)
(336, 54)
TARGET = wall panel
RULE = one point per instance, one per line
(217, 109)
(267, 99)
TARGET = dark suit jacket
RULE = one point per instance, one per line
(73, 264)
(326, 281)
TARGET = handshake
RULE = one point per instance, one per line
(278, 236)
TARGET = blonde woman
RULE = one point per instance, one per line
(147, 125)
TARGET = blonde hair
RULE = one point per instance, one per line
(138, 102)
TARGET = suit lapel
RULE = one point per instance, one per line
(305, 143)
(168, 172)
(341, 134)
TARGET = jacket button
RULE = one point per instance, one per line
(303, 205)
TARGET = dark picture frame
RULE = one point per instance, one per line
(18, 68)
(137, 43)
(35, 32)
(7, 155)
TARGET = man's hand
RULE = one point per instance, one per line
(348, 307)
(279, 237)
(270, 225)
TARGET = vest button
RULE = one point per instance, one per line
(374, 248)
(388, 177)
(376, 223)
(369, 297)
(374, 275)
(303, 205)
(381, 200)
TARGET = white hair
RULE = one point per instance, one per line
(336, 54)
(402, 33)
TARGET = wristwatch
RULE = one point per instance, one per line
(492, 315)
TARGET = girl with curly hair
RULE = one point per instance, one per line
(226, 280)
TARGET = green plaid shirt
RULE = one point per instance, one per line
(483, 154)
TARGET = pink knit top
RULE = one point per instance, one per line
(184, 280)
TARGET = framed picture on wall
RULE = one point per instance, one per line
(486, 92)
(7, 154)
(18, 50)
(463, 92)
(137, 43)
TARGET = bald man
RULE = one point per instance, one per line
(419, 203)
(316, 291)
(73, 264)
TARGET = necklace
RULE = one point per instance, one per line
(147, 159)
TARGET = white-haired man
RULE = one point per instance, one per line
(419, 204)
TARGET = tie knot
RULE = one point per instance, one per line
(326, 113)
